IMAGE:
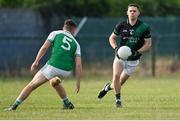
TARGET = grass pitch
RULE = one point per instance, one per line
(151, 98)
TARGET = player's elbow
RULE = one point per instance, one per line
(111, 38)
(44, 48)
(149, 44)
(78, 62)
(79, 67)
(78, 71)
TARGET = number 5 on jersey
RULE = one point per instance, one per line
(66, 43)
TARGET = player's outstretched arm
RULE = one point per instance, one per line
(40, 54)
(147, 45)
(78, 72)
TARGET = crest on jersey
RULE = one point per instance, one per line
(131, 31)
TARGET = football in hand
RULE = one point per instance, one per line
(124, 52)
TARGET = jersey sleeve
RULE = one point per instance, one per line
(51, 37)
(147, 33)
(117, 29)
(78, 50)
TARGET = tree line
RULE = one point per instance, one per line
(96, 8)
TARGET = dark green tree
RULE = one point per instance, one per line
(96, 8)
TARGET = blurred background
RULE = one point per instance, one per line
(25, 25)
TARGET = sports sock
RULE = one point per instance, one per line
(118, 97)
(17, 102)
(66, 100)
(108, 87)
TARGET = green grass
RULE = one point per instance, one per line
(151, 98)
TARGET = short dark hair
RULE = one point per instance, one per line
(134, 5)
(69, 23)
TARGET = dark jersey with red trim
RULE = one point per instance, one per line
(132, 36)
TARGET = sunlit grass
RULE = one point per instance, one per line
(151, 98)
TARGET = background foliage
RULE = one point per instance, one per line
(96, 8)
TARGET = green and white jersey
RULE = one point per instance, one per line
(64, 49)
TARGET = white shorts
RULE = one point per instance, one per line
(50, 72)
(128, 66)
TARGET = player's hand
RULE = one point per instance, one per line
(34, 66)
(135, 55)
(77, 86)
(116, 51)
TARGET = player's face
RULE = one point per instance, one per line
(133, 13)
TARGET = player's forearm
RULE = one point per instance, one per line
(78, 76)
(40, 54)
(78, 72)
(147, 45)
(112, 41)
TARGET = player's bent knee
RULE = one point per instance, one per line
(55, 81)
